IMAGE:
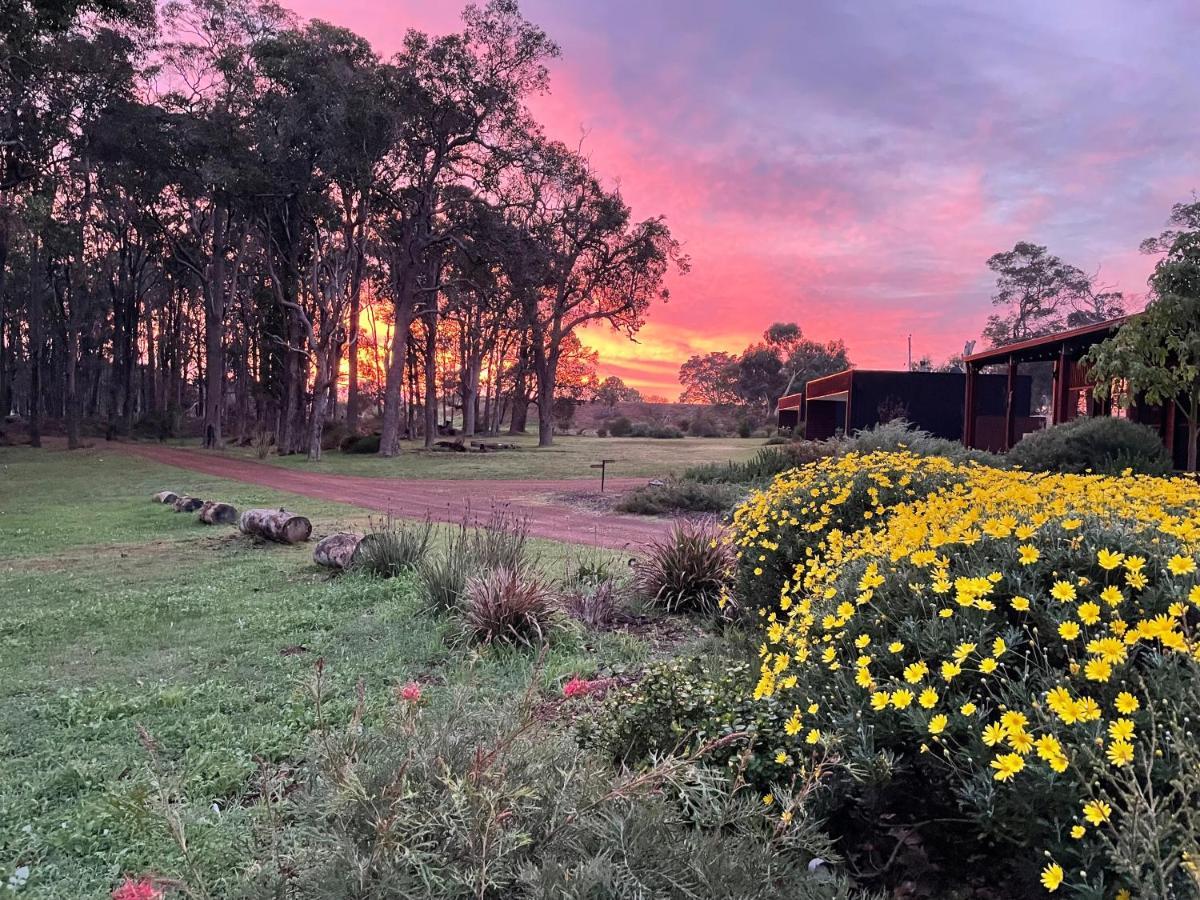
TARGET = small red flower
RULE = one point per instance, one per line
(411, 692)
(577, 687)
(140, 889)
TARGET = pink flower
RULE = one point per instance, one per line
(141, 889)
(411, 692)
(578, 687)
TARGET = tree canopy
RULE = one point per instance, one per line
(1156, 355)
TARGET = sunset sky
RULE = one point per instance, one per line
(850, 166)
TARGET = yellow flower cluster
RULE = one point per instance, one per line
(971, 578)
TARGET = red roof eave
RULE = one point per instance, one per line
(1059, 337)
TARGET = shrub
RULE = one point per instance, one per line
(393, 547)
(764, 465)
(504, 606)
(332, 435)
(780, 528)
(596, 605)
(745, 428)
(648, 430)
(899, 436)
(704, 426)
(665, 432)
(681, 704)
(361, 443)
(776, 441)
(469, 800)
(620, 426)
(679, 496)
(601, 431)
(444, 574)
(501, 542)
(1105, 445)
(689, 570)
(991, 655)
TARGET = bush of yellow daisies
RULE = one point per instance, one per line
(1006, 661)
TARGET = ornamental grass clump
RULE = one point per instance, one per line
(393, 547)
(689, 570)
(998, 655)
(505, 606)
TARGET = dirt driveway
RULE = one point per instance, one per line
(443, 500)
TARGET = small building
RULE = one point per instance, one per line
(790, 410)
(855, 399)
(1046, 383)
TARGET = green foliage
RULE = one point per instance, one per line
(681, 704)
(360, 443)
(689, 570)
(393, 547)
(763, 466)
(443, 575)
(1007, 827)
(500, 542)
(203, 643)
(1104, 444)
(505, 606)
(478, 800)
(667, 432)
(597, 604)
(899, 435)
(705, 427)
(680, 496)
(1041, 294)
(1157, 352)
(620, 427)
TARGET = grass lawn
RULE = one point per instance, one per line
(570, 457)
(117, 613)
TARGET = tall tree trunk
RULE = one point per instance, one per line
(71, 383)
(36, 348)
(319, 404)
(389, 441)
(214, 337)
(431, 397)
(356, 280)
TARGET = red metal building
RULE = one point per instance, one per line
(1047, 384)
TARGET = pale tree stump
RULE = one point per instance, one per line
(337, 550)
(166, 497)
(187, 504)
(277, 525)
(215, 513)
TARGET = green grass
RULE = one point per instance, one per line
(570, 457)
(118, 614)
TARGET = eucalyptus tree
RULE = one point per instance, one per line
(321, 127)
(464, 120)
(601, 267)
(211, 92)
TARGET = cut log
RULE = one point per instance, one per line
(215, 513)
(452, 446)
(187, 504)
(277, 525)
(337, 550)
(166, 497)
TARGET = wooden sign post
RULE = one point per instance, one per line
(602, 466)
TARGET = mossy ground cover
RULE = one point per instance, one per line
(118, 615)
